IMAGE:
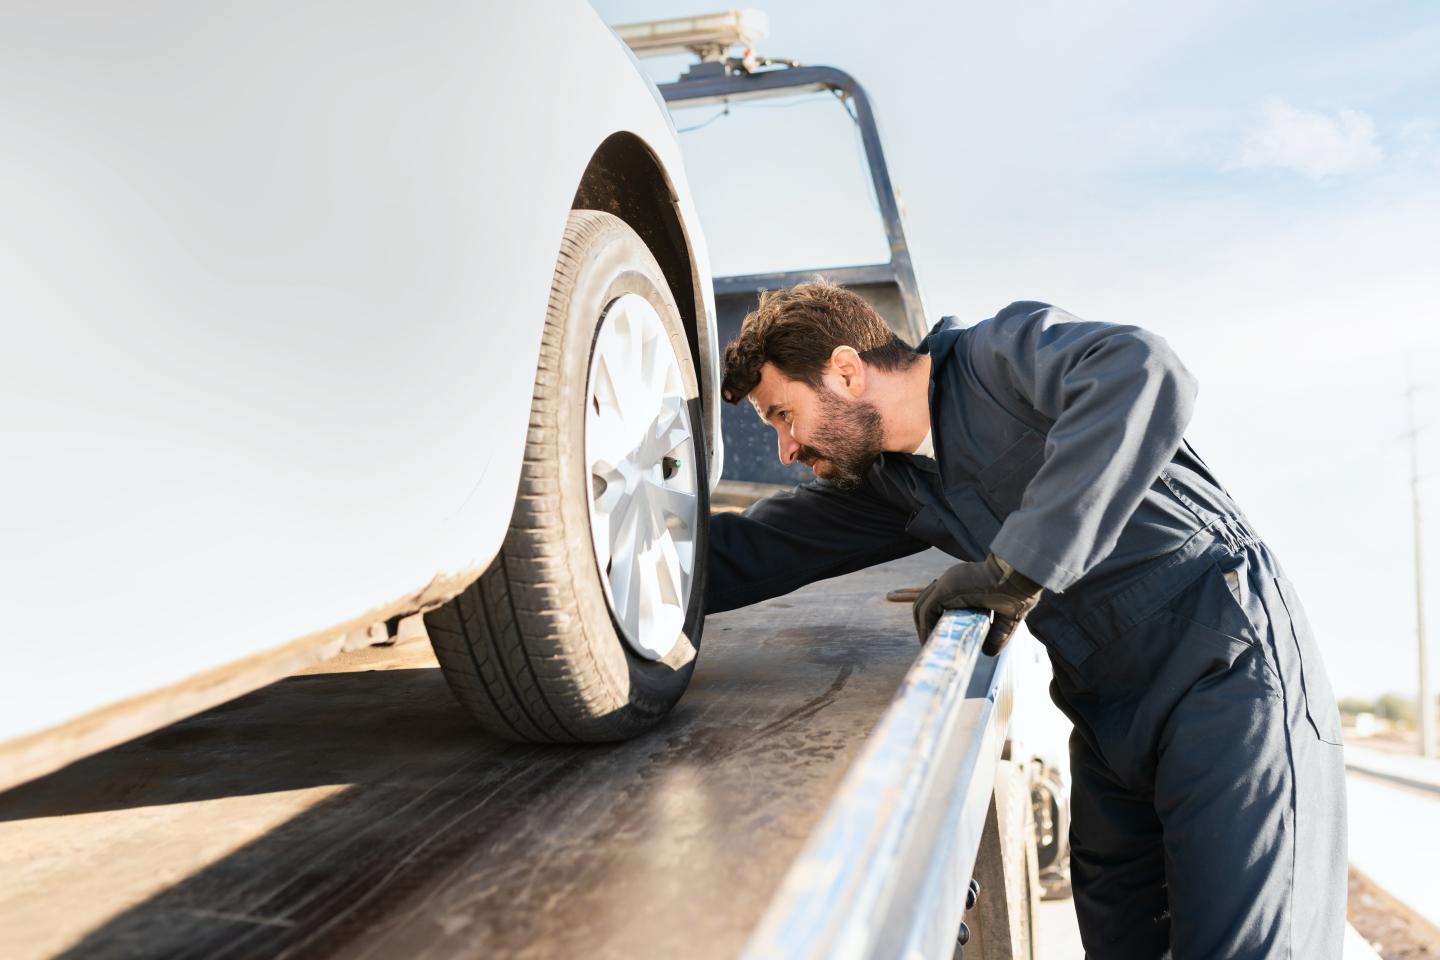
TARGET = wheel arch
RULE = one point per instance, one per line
(624, 177)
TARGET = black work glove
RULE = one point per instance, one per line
(989, 584)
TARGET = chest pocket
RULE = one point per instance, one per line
(927, 525)
(977, 522)
(1003, 482)
(1319, 698)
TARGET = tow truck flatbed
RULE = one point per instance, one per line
(354, 810)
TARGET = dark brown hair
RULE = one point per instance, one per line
(798, 329)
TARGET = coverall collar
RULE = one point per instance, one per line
(939, 343)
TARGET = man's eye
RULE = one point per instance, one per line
(785, 415)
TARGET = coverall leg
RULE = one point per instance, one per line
(1208, 805)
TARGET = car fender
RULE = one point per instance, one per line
(273, 279)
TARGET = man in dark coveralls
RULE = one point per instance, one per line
(1208, 807)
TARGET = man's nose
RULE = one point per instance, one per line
(788, 447)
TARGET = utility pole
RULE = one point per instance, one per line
(1427, 700)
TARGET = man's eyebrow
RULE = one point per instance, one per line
(770, 410)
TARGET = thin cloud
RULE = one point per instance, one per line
(1311, 143)
(1420, 143)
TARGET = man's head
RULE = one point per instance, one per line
(806, 359)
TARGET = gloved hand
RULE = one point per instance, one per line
(989, 584)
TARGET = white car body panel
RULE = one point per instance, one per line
(272, 284)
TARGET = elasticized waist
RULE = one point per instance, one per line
(1112, 616)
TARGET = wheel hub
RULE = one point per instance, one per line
(644, 505)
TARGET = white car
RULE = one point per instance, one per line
(316, 316)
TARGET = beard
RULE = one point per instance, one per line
(850, 435)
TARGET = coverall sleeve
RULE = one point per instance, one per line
(1120, 400)
(790, 539)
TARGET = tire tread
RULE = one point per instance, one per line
(551, 691)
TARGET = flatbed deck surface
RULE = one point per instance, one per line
(355, 810)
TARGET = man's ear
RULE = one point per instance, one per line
(846, 364)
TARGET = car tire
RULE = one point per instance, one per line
(536, 648)
(1051, 819)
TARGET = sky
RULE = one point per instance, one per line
(1258, 183)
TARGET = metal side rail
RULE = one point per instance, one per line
(885, 872)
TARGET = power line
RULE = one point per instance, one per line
(705, 123)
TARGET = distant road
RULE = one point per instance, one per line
(1395, 824)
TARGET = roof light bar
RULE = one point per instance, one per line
(708, 36)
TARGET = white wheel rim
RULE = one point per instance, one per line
(644, 505)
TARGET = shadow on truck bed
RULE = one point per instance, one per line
(358, 811)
